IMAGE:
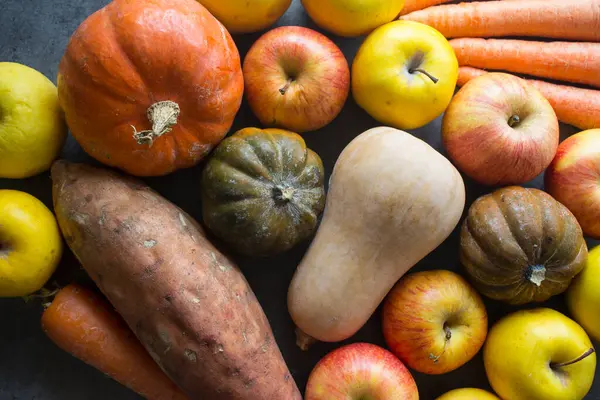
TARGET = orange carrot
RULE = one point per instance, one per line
(414, 5)
(83, 324)
(564, 61)
(566, 19)
(573, 106)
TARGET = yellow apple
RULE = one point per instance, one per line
(30, 244)
(244, 16)
(352, 17)
(583, 296)
(404, 74)
(32, 128)
(467, 394)
(539, 354)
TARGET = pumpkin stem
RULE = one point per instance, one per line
(162, 115)
(536, 274)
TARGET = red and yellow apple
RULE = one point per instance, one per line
(296, 78)
(360, 371)
(583, 296)
(500, 130)
(404, 74)
(573, 179)
(434, 321)
(539, 354)
(468, 394)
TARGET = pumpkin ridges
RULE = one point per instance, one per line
(468, 258)
(236, 153)
(495, 250)
(222, 172)
(516, 208)
(525, 215)
(127, 69)
(556, 235)
(311, 171)
(264, 164)
(568, 231)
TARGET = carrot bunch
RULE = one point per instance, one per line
(574, 59)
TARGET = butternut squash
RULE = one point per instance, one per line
(392, 200)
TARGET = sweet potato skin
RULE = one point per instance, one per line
(188, 304)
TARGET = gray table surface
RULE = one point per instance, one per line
(35, 33)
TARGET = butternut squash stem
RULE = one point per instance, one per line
(163, 116)
(304, 340)
(567, 363)
(433, 78)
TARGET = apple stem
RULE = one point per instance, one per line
(581, 357)
(514, 120)
(286, 86)
(45, 294)
(448, 337)
(433, 78)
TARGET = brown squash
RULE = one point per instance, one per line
(150, 86)
(262, 191)
(520, 245)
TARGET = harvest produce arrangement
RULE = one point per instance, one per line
(149, 88)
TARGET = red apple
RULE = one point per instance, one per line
(434, 321)
(573, 179)
(360, 371)
(296, 78)
(500, 130)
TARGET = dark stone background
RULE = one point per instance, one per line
(35, 33)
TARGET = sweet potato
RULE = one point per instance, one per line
(189, 305)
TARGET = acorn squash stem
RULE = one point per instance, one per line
(536, 274)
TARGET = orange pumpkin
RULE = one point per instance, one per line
(150, 86)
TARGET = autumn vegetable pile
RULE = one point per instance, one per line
(151, 87)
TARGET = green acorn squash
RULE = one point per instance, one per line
(262, 191)
(520, 245)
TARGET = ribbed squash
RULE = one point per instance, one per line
(150, 86)
(262, 191)
(520, 245)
